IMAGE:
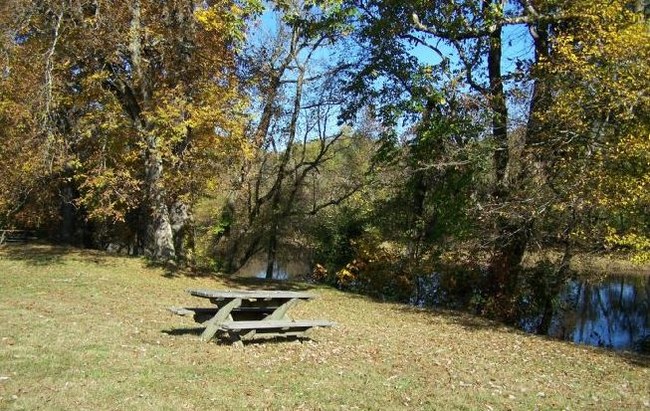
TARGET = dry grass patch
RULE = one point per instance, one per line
(85, 330)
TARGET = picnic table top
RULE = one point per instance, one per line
(246, 294)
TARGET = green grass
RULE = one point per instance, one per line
(85, 330)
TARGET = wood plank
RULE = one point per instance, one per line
(213, 324)
(186, 312)
(204, 314)
(281, 311)
(246, 294)
(275, 334)
(200, 314)
(255, 309)
(16, 236)
(274, 324)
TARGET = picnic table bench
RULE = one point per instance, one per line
(16, 236)
(245, 315)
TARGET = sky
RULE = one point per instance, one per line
(517, 46)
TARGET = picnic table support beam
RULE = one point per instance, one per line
(281, 312)
(235, 339)
(212, 325)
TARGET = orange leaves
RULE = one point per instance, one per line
(345, 278)
(122, 74)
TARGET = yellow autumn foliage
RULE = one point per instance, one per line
(598, 123)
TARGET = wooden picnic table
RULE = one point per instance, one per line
(16, 236)
(246, 314)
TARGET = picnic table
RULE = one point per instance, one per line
(16, 236)
(244, 315)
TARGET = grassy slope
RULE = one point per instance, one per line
(84, 330)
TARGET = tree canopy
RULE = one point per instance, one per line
(384, 139)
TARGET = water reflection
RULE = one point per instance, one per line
(282, 270)
(612, 313)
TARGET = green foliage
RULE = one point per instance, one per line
(334, 232)
(145, 108)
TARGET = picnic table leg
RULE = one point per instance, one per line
(281, 312)
(235, 339)
(212, 325)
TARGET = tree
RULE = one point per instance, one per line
(297, 96)
(592, 136)
(138, 105)
(417, 49)
(462, 44)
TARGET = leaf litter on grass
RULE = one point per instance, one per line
(111, 317)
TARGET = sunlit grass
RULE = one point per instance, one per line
(85, 330)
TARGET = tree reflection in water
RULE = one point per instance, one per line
(612, 313)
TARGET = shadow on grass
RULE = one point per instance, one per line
(639, 360)
(268, 341)
(263, 284)
(475, 323)
(171, 270)
(464, 319)
(235, 282)
(184, 331)
(43, 254)
(34, 254)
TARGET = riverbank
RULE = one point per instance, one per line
(87, 330)
(594, 263)
(609, 264)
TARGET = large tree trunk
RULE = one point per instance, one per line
(540, 97)
(68, 228)
(159, 244)
(505, 267)
(159, 241)
(499, 110)
(181, 224)
(512, 236)
(272, 251)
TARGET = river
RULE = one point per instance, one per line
(613, 312)
(282, 270)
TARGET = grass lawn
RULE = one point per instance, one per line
(86, 330)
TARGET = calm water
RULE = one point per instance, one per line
(282, 270)
(612, 313)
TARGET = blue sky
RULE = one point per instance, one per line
(517, 46)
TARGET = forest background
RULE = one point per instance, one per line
(380, 140)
